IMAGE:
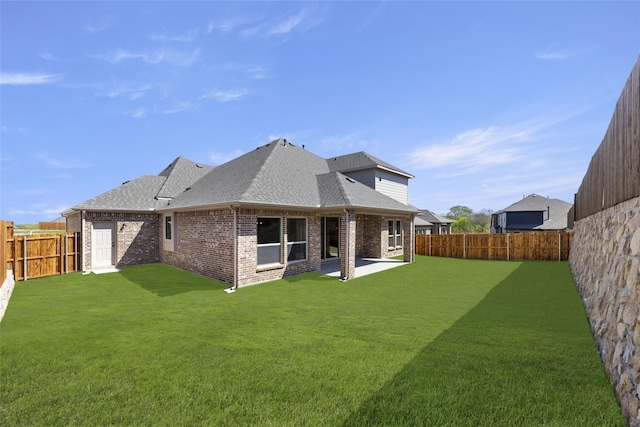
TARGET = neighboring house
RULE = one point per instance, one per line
(276, 211)
(422, 226)
(532, 213)
(434, 223)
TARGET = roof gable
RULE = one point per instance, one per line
(361, 161)
(180, 174)
(148, 192)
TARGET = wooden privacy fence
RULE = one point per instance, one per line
(40, 255)
(613, 175)
(533, 246)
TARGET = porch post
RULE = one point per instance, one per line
(409, 242)
(347, 245)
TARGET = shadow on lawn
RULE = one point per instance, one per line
(502, 363)
(166, 281)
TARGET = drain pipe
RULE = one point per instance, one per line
(347, 246)
(234, 285)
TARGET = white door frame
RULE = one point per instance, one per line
(103, 236)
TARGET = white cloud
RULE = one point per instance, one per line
(132, 93)
(220, 158)
(551, 55)
(60, 162)
(258, 73)
(47, 56)
(182, 59)
(23, 79)
(178, 107)
(475, 149)
(187, 37)
(228, 24)
(101, 25)
(140, 113)
(288, 24)
(302, 21)
(39, 210)
(226, 95)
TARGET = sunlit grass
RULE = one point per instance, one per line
(438, 342)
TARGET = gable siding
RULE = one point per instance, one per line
(393, 186)
(366, 177)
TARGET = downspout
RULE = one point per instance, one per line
(82, 230)
(235, 248)
(347, 232)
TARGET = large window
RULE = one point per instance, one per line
(269, 243)
(296, 239)
(395, 233)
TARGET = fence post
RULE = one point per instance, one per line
(508, 255)
(464, 246)
(429, 244)
(75, 251)
(559, 247)
(66, 256)
(24, 258)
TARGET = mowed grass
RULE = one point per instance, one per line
(438, 342)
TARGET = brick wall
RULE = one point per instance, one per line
(136, 237)
(206, 245)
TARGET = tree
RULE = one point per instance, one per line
(466, 220)
(459, 211)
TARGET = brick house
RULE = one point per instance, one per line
(276, 211)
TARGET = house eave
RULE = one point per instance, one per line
(289, 207)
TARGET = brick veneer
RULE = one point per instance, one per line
(136, 237)
(206, 245)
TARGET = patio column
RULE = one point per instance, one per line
(409, 239)
(348, 245)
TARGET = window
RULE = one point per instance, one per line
(167, 227)
(296, 239)
(395, 233)
(269, 243)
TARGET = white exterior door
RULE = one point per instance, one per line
(102, 245)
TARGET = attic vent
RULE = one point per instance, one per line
(187, 189)
(351, 179)
(199, 166)
(126, 182)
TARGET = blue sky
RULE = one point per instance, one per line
(483, 102)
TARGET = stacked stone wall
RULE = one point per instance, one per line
(605, 261)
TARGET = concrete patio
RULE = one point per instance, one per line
(364, 266)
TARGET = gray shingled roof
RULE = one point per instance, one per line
(142, 194)
(558, 210)
(281, 174)
(181, 173)
(421, 222)
(433, 217)
(361, 161)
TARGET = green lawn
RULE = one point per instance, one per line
(438, 342)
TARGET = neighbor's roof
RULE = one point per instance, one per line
(362, 161)
(149, 192)
(421, 222)
(282, 174)
(535, 202)
(558, 210)
(433, 217)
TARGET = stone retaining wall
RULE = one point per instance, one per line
(605, 260)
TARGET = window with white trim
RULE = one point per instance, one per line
(269, 232)
(395, 233)
(296, 239)
(167, 227)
